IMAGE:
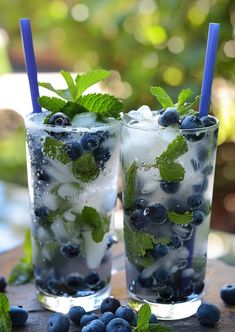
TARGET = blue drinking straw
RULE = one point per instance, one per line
(211, 48)
(30, 63)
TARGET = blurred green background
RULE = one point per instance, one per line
(144, 43)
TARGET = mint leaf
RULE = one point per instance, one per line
(180, 219)
(55, 150)
(188, 109)
(144, 315)
(161, 96)
(23, 271)
(169, 169)
(183, 96)
(199, 263)
(96, 223)
(5, 319)
(88, 79)
(52, 104)
(162, 240)
(72, 89)
(64, 93)
(103, 105)
(158, 328)
(85, 168)
(71, 109)
(130, 185)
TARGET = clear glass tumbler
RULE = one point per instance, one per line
(166, 223)
(72, 173)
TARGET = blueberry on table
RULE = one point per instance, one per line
(227, 294)
(18, 315)
(176, 241)
(208, 121)
(192, 122)
(3, 284)
(195, 200)
(58, 322)
(125, 313)
(75, 314)
(90, 141)
(92, 278)
(87, 318)
(137, 220)
(94, 326)
(156, 212)
(59, 119)
(106, 317)
(169, 117)
(70, 250)
(118, 325)
(208, 314)
(170, 187)
(109, 304)
(198, 217)
(160, 250)
(73, 150)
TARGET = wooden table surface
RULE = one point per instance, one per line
(218, 274)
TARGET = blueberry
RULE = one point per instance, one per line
(101, 155)
(145, 282)
(186, 287)
(156, 212)
(169, 117)
(41, 212)
(74, 281)
(92, 278)
(160, 250)
(137, 220)
(94, 326)
(195, 200)
(40, 283)
(109, 304)
(161, 276)
(166, 293)
(18, 315)
(75, 314)
(90, 141)
(3, 284)
(118, 325)
(203, 154)
(176, 241)
(208, 314)
(141, 204)
(111, 240)
(208, 121)
(170, 187)
(227, 294)
(176, 205)
(55, 286)
(153, 319)
(87, 318)
(196, 165)
(58, 322)
(59, 119)
(135, 319)
(73, 150)
(106, 317)
(125, 313)
(70, 250)
(198, 217)
(206, 207)
(198, 287)
(192, 122)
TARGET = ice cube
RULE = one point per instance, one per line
(94, 251)
(147, 180)
(67, 191)
(43, 235)
(69, 216)
(60, 172)
(59, 230)
(50, 201)
(87, 119)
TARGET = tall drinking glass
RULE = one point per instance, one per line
(72, 174)
(166, 223)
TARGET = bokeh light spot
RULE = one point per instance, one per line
(150, 60)
(156, 34)
(147, 7)
(229, 49)
(216, 246)
(229, 203)
(80, 12)
(58, 9)
(173, 76)
(197, 14)
(175, 45)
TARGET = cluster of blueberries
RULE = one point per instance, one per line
(114, 317)
(73, 285)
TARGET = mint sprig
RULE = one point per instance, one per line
(5, 319)
(72, 102)
(130, 185)
(23, 271)
(179, 218)
(161, 95)
(85, 168)
(54, 149)
(99, 225)
(169, 169)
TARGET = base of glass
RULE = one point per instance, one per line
(167, 311)
(64, 303)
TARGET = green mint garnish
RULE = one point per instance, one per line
(199, 263)
(85, 168)
(143, 324)
(5, 319)
(162, 240)
(104, 105)
(99, 225)
(180, 219)
(23, 271)
(54, 149)
(182, 107)
(130, 185)
(168, 168)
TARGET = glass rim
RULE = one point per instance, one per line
(29, 123)
(186, 131)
